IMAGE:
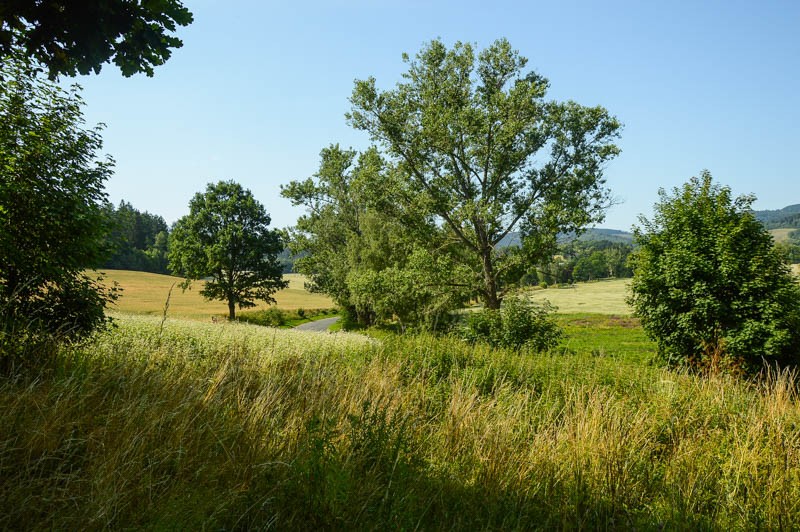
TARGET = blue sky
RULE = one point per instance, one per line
(260, 87)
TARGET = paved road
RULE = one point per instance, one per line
(319, 325)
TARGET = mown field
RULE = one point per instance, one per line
(601, 297)
(197, 425)
(781, 235)
(146, 293)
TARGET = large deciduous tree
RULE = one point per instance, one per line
(709, 286)
(366, 241)
(79, 36)
(477, 137)
(52, 216)
(226, 237)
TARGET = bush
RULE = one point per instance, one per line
(519, 323)
(271, 317)
(709, 285)
(52, 223)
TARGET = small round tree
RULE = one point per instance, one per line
(709, 285)
(226, 237)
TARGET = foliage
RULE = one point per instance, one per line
(791, 248)
(79, 37)
(372, 253)
(595, 259)
(708, 283)
(416, 293)
(477, 139)
(139, 239)
(519, 323)
(52, 224)
(278, 317)
(225, 236)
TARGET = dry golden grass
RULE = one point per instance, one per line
(600, 297)
(146, 293)
(781, 235)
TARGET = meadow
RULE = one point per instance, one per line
(146, 293)
(190, 425)
(181, 423)
(782, 234)
(602, 297)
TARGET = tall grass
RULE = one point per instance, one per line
(230, 426)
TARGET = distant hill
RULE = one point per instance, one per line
(591, 235)
(781, 218)
(612, 235)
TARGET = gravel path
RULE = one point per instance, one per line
(319, 325)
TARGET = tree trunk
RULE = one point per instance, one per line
(491, 299)
(231, 309)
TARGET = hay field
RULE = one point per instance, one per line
(146, 293)
(781, 235)
(600, 297)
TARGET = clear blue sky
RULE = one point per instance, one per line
(260, 87)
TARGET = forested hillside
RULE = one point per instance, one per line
(786, 217)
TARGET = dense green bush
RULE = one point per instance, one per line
(275, 317)
(709, 285)
(518, 323)
(52, 224)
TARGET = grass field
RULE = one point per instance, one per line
(603, 297)
(146, 293)
(796, 269)
(781, 235)
(227, 426)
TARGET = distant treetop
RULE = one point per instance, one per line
(70, 37)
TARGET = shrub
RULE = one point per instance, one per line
(519, 323)
(52, 222)
(709, 285)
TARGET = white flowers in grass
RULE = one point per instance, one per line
(143, 334)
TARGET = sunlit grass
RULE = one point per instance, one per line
(146, 293)
(210, 426)
(782, 234)
(604, 297)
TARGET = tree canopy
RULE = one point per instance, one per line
(365, 243)
(226, 237)
(71, 37)
(475, 135)
(709, 286)
(139, 240)
(52, 221)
